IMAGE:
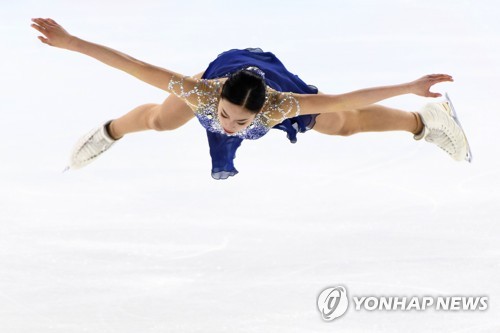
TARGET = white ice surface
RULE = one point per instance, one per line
(143, 240)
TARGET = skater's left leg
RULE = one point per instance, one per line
(373, 118)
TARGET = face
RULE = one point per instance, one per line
(232, 117)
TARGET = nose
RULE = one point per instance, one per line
(227, 126)
(230, 125)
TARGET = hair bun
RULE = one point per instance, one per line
(256, 70)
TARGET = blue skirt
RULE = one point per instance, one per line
(223, 147)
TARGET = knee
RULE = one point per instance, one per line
(349, 123)
(154, 119)
(156, 124)
(346, 131)
(343, 123)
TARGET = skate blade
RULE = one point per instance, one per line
(468, 155)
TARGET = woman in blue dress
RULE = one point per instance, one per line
(244, 93)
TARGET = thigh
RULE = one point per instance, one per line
(329, 123)
(174, 112)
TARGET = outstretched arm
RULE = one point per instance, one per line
(55, 35)
(324, 103)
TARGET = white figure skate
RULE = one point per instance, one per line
(441, 127)
(90, 146)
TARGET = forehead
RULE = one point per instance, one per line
(231, 108)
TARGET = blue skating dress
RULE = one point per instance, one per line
(222, 146)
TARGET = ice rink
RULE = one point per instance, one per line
(144, 240)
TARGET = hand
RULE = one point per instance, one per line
(55, 35)
(421, 87)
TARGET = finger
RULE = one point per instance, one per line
(446, 78)
(43, 40)
(41, 22)
(49, 22)
(52, 21)
(39, 28)
(439, 76)
(38, 22)
(431, 94)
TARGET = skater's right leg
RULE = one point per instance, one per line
(172, 114)
(169, 115)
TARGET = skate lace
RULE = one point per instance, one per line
(443, 138)
(94, 146)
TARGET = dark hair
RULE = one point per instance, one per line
(245, 88)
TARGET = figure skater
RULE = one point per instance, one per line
(244, 93)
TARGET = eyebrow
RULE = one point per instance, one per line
(225, 113)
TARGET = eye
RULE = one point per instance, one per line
(242, 123)
(222, 115)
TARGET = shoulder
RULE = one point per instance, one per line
(180, 85)
(212, 88)
(279, 106)
(197, 93)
